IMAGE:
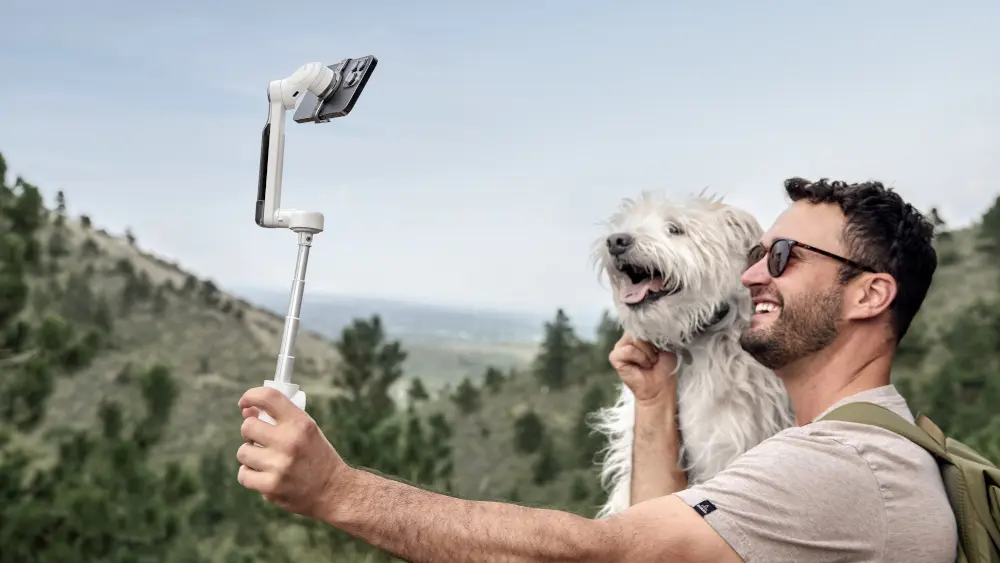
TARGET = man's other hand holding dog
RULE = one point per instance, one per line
(649, 374)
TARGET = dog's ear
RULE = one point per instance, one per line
(743, 226)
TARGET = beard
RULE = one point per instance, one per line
(804, 326)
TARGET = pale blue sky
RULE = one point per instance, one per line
(492, 137)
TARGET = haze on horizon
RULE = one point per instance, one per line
(489, 142)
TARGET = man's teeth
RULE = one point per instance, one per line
(765, 308)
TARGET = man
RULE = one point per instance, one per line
(836, 282)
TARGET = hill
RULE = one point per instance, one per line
(158, 339)
(216, 343)
(155, 474)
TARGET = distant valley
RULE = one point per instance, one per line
(444, 344)
(329, 314)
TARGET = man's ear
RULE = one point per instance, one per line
(871, 295)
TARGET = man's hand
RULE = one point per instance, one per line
(294, 467)
(648, 372)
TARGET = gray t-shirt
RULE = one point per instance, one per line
(833, 492)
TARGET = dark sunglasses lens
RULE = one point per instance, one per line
(778, 258)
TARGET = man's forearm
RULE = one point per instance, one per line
(418, 525)
(655, 453)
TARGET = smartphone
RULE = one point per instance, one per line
(354, 75)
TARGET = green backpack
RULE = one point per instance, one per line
(972, 482)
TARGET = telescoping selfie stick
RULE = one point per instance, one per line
(326, 92)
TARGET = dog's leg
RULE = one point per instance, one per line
(617, 424)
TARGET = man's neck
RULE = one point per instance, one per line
(850, 365)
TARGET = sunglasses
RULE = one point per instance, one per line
(781, 251)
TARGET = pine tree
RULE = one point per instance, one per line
(529, 432)
(579, 491)
(370, 365)
(493, 379)
(609, 332)
(467, 397)
(989, 230)
(417, 392)
(554, 362)
(588, 442)
(547, 466)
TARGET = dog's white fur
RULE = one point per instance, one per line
(727, 402)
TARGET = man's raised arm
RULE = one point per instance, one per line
(417, 525)
(648, 373)
(292, 465)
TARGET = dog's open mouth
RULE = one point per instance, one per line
(645, 285)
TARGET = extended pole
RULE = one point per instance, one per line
(286, 354)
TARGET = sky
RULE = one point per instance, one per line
(492, 138)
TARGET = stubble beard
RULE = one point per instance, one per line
(804, 326)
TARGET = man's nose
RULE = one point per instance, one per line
(618, 243)
(756, 274)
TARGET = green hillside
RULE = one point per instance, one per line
(218, 345)
(119, 373)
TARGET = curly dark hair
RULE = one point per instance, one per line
(882, 232)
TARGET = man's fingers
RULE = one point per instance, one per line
(256, 430)
(251, 412)
(625, 355)
(648, 349)
(628, 341)
(268, 400)
(255, 458)
(259, 481)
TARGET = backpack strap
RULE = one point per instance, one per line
(876, 415)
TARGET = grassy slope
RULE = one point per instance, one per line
(214, 355)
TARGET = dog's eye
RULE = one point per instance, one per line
(675, 229)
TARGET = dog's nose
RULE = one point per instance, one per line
(618, 243)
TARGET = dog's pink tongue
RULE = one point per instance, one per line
(632, 293)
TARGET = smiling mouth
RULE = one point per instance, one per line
(765, 307)
(765, 310)
(644, 285)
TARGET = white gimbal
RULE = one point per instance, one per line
(326, 92)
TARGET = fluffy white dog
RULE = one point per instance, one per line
(674, 267)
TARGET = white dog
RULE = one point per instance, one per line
(675, 268)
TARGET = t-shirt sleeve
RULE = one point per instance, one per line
(796, 497)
